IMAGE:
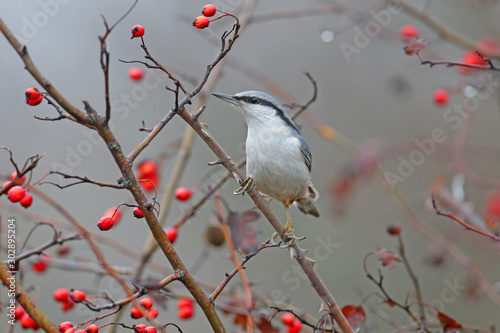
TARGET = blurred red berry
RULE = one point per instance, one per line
(148, 183)
(471, 57)
(185, 312)
(16, 193)
(488, 45)
(138, 213)
(61, 295)
(27, 200)
(288, 318)
(40, 266)
(20, 181)
(147, 303)
(209, 10)
(67, 305)
(492, 212)
(92, 328)
(150, 329)
(34, 102)
(28, 322)
(135, 73)
(65, 325)
(4, 185)
(171, 234)
(141, 328)
(295, 327)
(18, 312)
(148, 168)
(153, 313)
(115, 213)
(201, 22)
(183, 193)
(138, 31)
(63, 250)
(135, 313)
(77, 296)
(184, 302)
(394, 229)
(32, 93)
(105, 223)
(440, 97)
(408, 31)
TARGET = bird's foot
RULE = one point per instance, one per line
(245, 186)
(289, 239)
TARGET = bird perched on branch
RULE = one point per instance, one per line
(278, 157)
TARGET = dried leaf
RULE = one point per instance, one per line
(265, 326)
(354, 314)
(448, 324)
(414, 45)
(387, 257)
(244, 235)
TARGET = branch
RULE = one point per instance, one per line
(82, 181)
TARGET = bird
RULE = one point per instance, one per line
(278, 157)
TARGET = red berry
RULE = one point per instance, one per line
(27, 322)
(70, 330)
(16, 193)
(408, 31)
(92, 328)
(135, 73)
(63, 250)
(153, 313)
(148, 168)
(394, 229)
(150, 329)
(183, 302)
(141, 328)
(26, 201)
(288, 318)
(440, 97)
(34, 102)
(115, 213)
(471, 57)
(209, 10)
(138, 31)
(61, 295)
(171, 234)
(18, 312)
(77, 296)
(20, 181)
(67, 305)
(185, 312)
(295, 327)
(135, 313)
(4, 185)
(65, 325)
(39, 266)
(147, 303)
(32, 93)
(105, 223)
(183, 193)
(201, 22)
(138, 213)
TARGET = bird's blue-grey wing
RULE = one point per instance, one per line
(306, 153)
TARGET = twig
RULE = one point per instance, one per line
(82, 181)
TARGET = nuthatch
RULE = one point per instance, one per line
(278, 157)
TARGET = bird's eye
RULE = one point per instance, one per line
(254, 100)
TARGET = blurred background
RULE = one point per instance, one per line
(369, 90)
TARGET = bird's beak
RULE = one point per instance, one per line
(227, 98)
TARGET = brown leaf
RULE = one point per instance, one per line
(265, 326)
(244, 235)
(448, 324)
(354, 314)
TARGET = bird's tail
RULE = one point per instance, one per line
(305, 204)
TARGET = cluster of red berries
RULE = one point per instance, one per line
(141, 328)
(67, 327)
(202, 21)
(62, 295)
(147, 304)
(17, 193)
(293, 324)
(24, 319)
(186, 308)
(34, 96)
(148, 175)
(109, 219)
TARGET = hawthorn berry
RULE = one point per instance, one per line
(4, 185)
(40, 266)
(408, 31)
(105, 223)
(16, 193)
(185, 312)
(471, 57)
(394, 229)
(135, 313)
(148, 168)
(295, 327)
(92, 328)
(115, 213)
(182, 193)
(32, 93)
(77, 296)
(61, 295)
(27, 322)
(150, 329)
(153, 313)
(138, 31)
(20, 181)
(440, 97)
(201, 22)
(27, 200)
(171, 234)
(18, 312)
(135, 73)
(208, 10)
(138, 213)
(184, 302)
(63, 250)
(146, 302)
(34, 102)
(67, 305)
(288, 318)
(65, 325)
(140, 328)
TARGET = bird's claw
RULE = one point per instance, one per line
(245, 186)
